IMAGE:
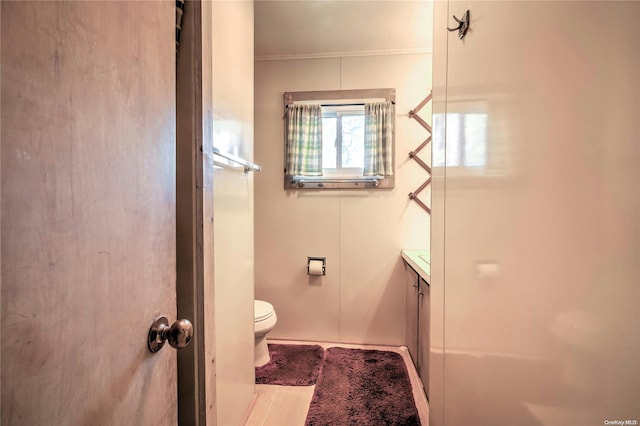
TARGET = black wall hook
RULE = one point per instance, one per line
(463, 24)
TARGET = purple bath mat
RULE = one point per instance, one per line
(291, 365)
(362, 387)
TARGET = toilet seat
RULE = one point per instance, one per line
(262, 310)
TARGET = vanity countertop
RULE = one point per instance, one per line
(420, 261)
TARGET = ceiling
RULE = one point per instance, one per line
(325, 27)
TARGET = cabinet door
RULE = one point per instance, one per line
(411, 336)
(424, 316)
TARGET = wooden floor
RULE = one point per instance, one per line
(287, 405)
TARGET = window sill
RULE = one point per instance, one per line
(322, 182)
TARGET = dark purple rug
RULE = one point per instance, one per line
(362, 387)
(291, 365)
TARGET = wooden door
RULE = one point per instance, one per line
(88, 212)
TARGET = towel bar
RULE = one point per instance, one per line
(247, 165)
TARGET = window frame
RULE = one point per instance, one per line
(338, 98)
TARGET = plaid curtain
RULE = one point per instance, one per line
(304, 140)
(378, 139)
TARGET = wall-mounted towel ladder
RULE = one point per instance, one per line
(414, 154)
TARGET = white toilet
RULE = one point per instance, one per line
(264, 319)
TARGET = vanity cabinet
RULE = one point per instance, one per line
(424, 325)
(411, 295)
(417, 295)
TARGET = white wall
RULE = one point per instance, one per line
(549, 334)
(233, 209)
(361, 299)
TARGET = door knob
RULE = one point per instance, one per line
(178, 335)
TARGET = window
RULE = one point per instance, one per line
(343, 140)
(339, 139)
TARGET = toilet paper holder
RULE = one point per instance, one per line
(321, 259)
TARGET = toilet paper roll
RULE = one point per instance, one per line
(315, 267)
